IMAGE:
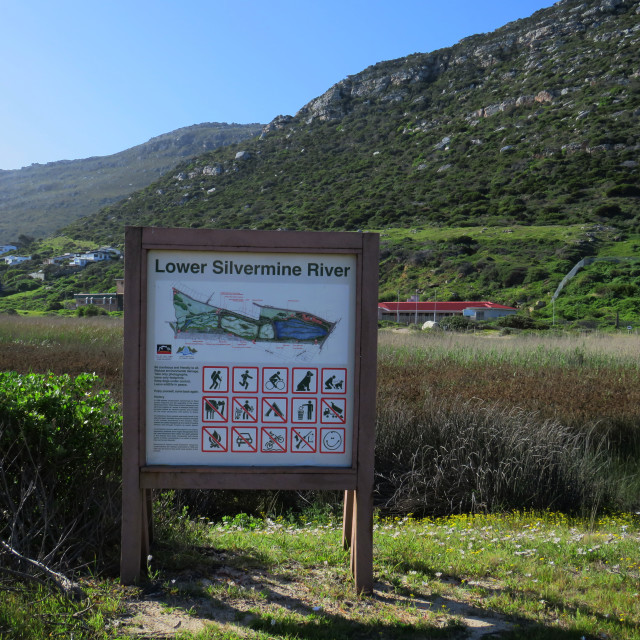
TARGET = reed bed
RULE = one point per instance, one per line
(576, 380)
(580, 390)
(593, 351)
(468, 422)
(63, 345)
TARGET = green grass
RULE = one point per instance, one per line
(35, 612)
(517, 265)
(495, 235)
(529, 574)
(532, 574)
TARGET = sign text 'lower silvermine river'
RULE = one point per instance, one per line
(231, 267)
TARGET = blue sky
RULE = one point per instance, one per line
(84, 78)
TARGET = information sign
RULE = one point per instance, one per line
(249, 364)
(242, 324)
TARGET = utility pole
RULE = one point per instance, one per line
(435, 304)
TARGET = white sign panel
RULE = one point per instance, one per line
(250, 358)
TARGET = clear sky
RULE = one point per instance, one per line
(82, 78)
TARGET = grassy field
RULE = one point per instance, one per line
(575, 379)
(63, 345)
(518, 575)
(487, 436)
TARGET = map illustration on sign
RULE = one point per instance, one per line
(270, 324)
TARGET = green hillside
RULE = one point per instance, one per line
(38, 199)
(490, 167)
(536, 123)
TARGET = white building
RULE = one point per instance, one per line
(16, 259)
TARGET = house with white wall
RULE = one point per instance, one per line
(15, 259)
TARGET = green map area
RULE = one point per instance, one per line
(272, 324)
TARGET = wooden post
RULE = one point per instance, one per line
(347, 520)
(362, 536)
(133, 499)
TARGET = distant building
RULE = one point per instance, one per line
(5, 248)
(114, 254)
(414, 312)
(67, 257)
(106, 301)
(91, 256)
(15, 259)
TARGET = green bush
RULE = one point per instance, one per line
(90, 310)
(624, 191)
(517, 322)
(60, 462)
(456, 323)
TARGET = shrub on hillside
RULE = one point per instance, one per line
(60, 460)
(90, 310)
(456, 323)
(624, 191)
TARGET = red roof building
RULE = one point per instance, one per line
(420, 312)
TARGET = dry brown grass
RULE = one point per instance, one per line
(63, 345)
(577, 381)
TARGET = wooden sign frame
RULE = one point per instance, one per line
(140, 478)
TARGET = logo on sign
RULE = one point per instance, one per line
(303, 440)
(244, 410)
(305, 380)
(274, 409)
(215, 379)
(245, 379)
(304, 410)
(334, 381)
(334, 410)
(331, 440)
(214, 409)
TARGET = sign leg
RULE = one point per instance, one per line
(149, 519)
(362, 550)
(145, 529)
(347, 519)
(132, 535)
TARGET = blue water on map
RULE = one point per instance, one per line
(297, 330)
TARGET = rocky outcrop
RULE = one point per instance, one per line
(528, 44)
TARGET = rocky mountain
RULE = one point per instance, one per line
(38, 199)
(535, 123)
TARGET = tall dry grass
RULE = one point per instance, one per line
(63, 345)
(468, 422)
(530, 349)
(491, 412)
(575, 380)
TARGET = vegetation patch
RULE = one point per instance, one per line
(471, 429)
